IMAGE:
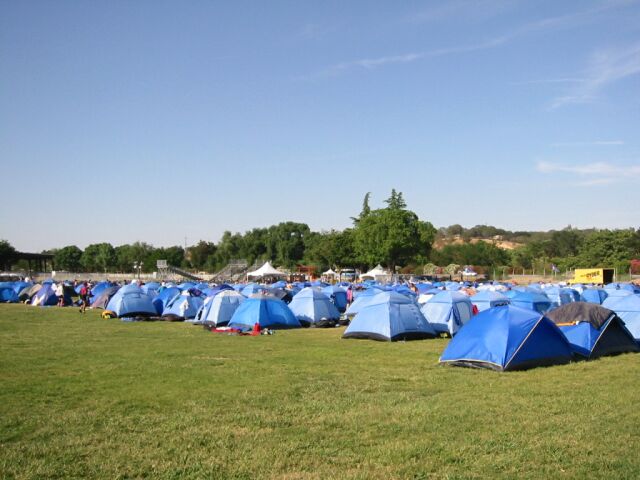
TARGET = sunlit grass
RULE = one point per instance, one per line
(85, 397)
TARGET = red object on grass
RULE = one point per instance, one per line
(256, 329)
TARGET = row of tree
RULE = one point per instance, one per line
(393, 236)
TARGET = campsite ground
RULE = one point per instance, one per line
(85, 397)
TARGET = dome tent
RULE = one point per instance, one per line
(131, 301)
(182, 307)
(486, 299)
(508, 338)
(594, 295)
(218, 310)
(390, 316)
(312, 307)
(266, 310)
(593, 331)
(338, 295)
(448, 311)
(628, 309)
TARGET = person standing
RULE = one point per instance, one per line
(60, 294)
(84, 297)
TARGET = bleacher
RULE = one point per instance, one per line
(234, 271)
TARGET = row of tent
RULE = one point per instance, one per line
(515, 323)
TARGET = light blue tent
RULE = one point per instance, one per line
(46, 296)
(448, 311)
(622, 286)
(338, 295)
(218, 309)
(621, 292)
(533, 301)
(151, 288)
(265, 310)
(131, 301)
(508, 338)
(312, 307)
(561, 296)
(488, 298)
(97, 289)
(628, 309)
(182, 307)
(594, 295)
(164, 297)
(363, 299)
(252, 289)
(390, 316)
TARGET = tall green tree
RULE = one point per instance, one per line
(98, 257)
(68, 258)
(392, 235)
(7, 253)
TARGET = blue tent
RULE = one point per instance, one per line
(622, 286)
(390, 316)
(621, 292)
(338, 295)
(533, 301)
(363, 299)
(8, 294)
(97, 289)
(628, 309)
(131, 301)
(265, 310)
(561, 296)
(592, 330)
(164, 297)
(218, 310)
(448, 311)
(213, 291)
(151, 288)
(20, 285)
(102, 300)
(594, 295)
(312, 307)
(46, 296)
(186, 285)
(487, 299)
(253, 288)
(182, 307)
(508, 338)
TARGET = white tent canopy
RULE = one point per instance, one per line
(266, 270)
(329, 272)
(375, 273)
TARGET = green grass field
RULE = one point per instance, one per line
(83, 397)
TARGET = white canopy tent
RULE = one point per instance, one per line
(377, 273)
(329, 273)
(266, 270)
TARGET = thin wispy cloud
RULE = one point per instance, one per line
(596, 143)
(475, 10)
(606, 67)
(591, 174)
(561, 21)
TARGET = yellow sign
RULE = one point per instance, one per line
(593, 275)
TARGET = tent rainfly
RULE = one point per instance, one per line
(266, 270)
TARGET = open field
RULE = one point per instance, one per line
(84, 397)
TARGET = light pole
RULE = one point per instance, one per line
(138, 266)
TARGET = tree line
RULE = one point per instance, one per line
(393, 236)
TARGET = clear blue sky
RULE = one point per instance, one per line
(153, 120)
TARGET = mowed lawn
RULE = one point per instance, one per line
(85, 397)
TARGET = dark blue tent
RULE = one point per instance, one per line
(102, 300)
(265, 310)
(164, 297)
(338, 295)
(8, 294)
(508, 338)
(390, 316)
(592, 330)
